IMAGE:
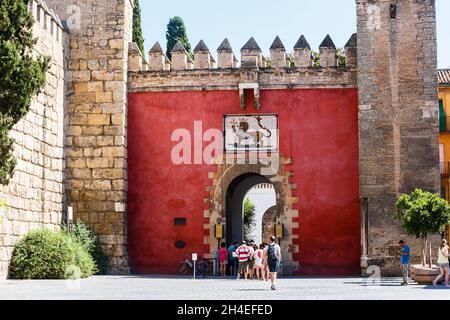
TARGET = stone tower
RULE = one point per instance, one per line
(96, 140)
(398, 117)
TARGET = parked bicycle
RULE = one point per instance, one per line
(186, 266)
(204, 268)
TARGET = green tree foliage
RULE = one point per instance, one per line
(42, 254)
(90, 242)
(290, 60)
(249, 218)
(341, 57)
(137, 27)
(176, 31)
(21, 75)
(316, 59)
(422, 214)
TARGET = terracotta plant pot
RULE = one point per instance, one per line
(425, 275)
(412, 267)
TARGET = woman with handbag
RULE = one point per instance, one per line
(443, 263)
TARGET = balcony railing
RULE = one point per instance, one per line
(444, 169)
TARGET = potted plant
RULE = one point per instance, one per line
(423, 214)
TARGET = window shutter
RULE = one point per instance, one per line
(442, 118)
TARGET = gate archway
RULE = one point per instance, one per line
(228, 174)
(235, 196)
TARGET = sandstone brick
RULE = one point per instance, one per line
(102, 185)
(118, 119)
(113, 151)
(116, 44)
(115, 86)
(103, 97)
(92, 152)
(92, 130)
(84, 141)
(98, 119)
(76, 163)
(103, 141)
(98, 163)
(95, 86)
(80, 86)
(81, 173)
(103, 75)
(78, 119)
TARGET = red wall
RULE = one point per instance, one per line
(318, 128)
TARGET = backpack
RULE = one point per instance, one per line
(271, 255)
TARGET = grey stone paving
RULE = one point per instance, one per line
(174, 288)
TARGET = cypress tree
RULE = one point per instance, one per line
(21, 75)
(137, 27)
(176, 30)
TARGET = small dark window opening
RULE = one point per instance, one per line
(393, 11)
(180, 244)
(38, 13)
(179, 221)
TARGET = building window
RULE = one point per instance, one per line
(442, 117)
(38, 13)
(393, 11)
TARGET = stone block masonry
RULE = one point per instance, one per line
(96, 141)
(398, 117)
(36, 194)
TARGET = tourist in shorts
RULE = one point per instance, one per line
(442, 263)
(251, 261)
(259, 252)
(223, 258)
(404, 261)
(242, 255)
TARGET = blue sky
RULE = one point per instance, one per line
(238, 20)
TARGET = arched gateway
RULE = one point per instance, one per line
(230, 183)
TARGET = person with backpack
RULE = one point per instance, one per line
(232, 263)
(242, 254)
(273, 258)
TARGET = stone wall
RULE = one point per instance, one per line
(398, 118)
(35, 196)
(96, 143)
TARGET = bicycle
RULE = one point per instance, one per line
(204, 268)
(186, 266)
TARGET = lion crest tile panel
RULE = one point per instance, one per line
(251, 132)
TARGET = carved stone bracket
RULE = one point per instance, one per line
(247, 86)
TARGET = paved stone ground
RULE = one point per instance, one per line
(176, 288)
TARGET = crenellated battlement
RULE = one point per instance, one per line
(254, 72)
(251, 56)
(47, 23)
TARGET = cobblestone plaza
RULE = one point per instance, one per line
(176, 288)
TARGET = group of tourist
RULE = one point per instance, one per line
(443, 262)
(252, 261)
